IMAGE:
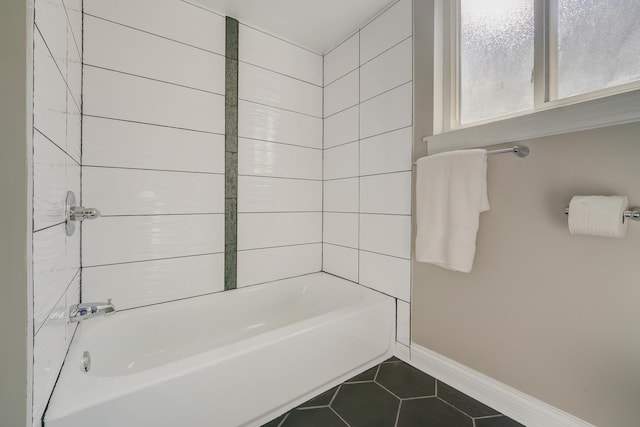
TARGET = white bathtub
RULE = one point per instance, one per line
(231, 359)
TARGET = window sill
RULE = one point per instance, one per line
(596, 113)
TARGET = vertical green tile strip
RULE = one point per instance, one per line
(231, 157)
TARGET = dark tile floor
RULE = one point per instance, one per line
(392, 394)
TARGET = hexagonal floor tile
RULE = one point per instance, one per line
(276, 422)
(466, 404)
(431, 412)
(500, 421)
(320, 417)
(368, 375)
(366, 404)
(322, 400)
(406, 381)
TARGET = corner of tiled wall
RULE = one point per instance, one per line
(56, 169)
(368, 138)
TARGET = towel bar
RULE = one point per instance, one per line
(519, 150)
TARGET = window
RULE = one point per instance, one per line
(504, 59)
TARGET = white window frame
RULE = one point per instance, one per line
(605, 107)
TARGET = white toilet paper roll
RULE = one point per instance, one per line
(598, 215)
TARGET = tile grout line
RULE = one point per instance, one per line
(137, 122)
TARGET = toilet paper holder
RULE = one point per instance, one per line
(633, 214)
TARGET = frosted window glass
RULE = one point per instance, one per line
(496, 58)
(598, 44)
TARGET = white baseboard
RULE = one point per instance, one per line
(515, 404)
(403, 352)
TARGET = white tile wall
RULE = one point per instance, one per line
(388, 152)
(263, 158)
(390, 111)
(341, 161)
(121, 96)
(114, 240)
(123, 144)
(173, 19)
(267, 51)
(386, 234)
(342, 59)
(341, 195)
(145, 54)
(266, 265)
(403, 322)
(386, 274)
(341, 94)
(266, 123)
(387, 71)
(367, 219)
(341, 229)
(260, 194)
(342, 127)
(386, 194)
(277, 90)
(387, 30)
(340, 261)
(143, 283)
(279, 159)
(145, 192)
(56, 169)
(264, 230)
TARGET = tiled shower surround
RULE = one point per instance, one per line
(323, 159)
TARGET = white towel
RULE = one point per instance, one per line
(451, 192)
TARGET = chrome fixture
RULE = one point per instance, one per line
(76, 213)
(521, 151)
(87, 310)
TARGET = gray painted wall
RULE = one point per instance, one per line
(15, 227)
(553, 315)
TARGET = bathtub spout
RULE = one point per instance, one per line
(87, 310)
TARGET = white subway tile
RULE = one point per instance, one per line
(386, 234)
(340, 229)
(342, 127)
(51, 20)
(342, 262)
(267, 265)
(74, 12)
(388, 152)
(176, 20)
(151, 56)
(143, 192)
(389, 275)
(342, 60)
(260, 194)
(386, 194)
(74, 130)
(133, 145)
(264, 230)
(265, 123)
(72, 297)
(49, 96)
(54, 173)
(341, 195)
(341, 94)
(74, 68)
(121, 96)
(390, 111)
(150, 282)
(388, 29)
(49, 350)
(341, 161)
(272, 159)
(114, 240)
(403, 322)
(391, 69)
(56, 260)
(267, 51)
(276, 90)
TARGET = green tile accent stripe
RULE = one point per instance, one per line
(231, 157)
